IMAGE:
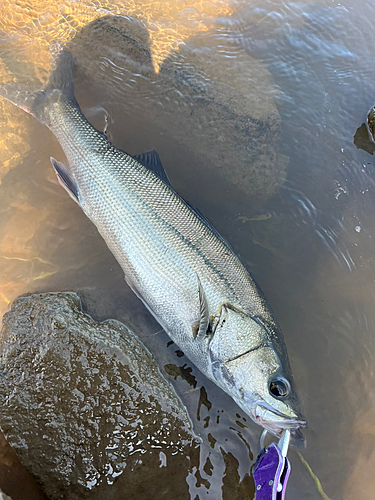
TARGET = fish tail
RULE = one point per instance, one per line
(39, 103)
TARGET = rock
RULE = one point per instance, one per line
(364, 138)
(86, 408)
(371, 122)
(123, 41)
(14, 478)
(221, 108)
(213, 110)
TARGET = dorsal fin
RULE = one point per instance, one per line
(151, 160)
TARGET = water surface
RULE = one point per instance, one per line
(308, 241)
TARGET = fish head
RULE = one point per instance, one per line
(250, 363)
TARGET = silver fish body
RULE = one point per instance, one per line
(185, 273)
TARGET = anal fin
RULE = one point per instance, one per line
(66, 179)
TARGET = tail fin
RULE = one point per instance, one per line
(59, 87)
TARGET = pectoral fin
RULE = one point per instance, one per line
(201, 327)
(66, 179)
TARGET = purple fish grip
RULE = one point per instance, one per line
(270, 470)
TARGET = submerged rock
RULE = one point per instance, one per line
(211, 103)
(86, 408)
(223, 109)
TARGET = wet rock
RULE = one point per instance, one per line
(371, 122)
(364, 139)
(14, 478)
(216, 110)
(85, 407)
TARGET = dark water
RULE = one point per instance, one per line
(309, 245)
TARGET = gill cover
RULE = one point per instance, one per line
(234, 334)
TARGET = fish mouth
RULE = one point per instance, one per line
(276, 422)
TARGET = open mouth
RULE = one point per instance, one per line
(276, 422)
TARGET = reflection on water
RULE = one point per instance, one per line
(300, 71)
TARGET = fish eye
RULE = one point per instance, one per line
(279, 388)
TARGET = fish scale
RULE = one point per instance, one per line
(185, 273)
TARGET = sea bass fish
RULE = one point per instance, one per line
(174, 260)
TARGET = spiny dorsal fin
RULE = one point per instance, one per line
(66, 179)
(204, 320)
(151, 160)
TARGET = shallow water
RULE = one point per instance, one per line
(309, 244)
